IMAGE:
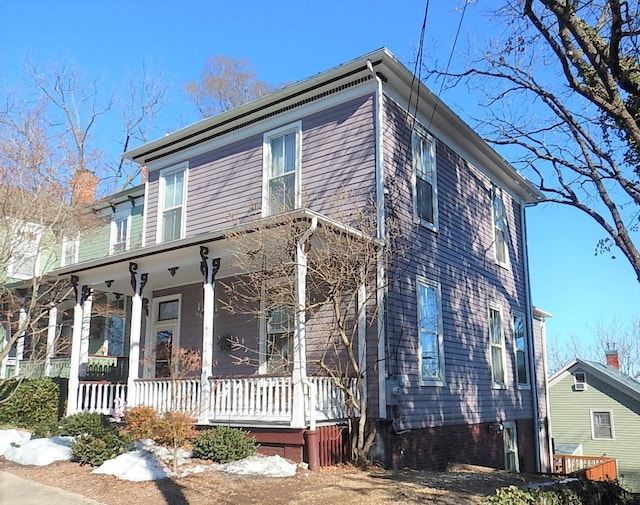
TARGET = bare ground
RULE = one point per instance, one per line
(461, 486)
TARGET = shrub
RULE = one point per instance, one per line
(140, 422)
(173, 430)
(224, 444)
(25, 403)
(85, 423)
(95, 449)
(45, 429)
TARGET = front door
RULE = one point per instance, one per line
(166, 334)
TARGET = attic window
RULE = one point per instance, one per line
(579, 381)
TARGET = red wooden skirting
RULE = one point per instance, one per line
(333, 445)
(591, 467)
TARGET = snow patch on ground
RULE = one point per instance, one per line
(41, 451)
(272, 466)
(136, 466)
(148, 462)
(9, 438)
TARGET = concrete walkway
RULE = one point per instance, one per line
(16, 490)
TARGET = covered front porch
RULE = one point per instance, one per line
(174, 301)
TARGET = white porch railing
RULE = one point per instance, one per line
(241, 400)
(165, 394)
(100, 397)
(258, 399)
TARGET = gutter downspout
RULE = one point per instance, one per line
(300, 368)
(381, 275)
(531, 341)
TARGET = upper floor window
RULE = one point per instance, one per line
(120, 232)
(602, 425)
(24, 260)
(425, 203)
(520, 345)
(70, 251)
(281, 177)
(500, 229)
(171, 217)
(430, 333)
(496, 341)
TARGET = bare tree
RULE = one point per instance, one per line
(562, 87)
(339, 306)
(225, 83)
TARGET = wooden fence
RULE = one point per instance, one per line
(589, 467)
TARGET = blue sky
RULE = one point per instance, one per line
(287, 41)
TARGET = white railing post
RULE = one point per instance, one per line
(138, 281)
(51, 338)
(74, 364)
(209, 268)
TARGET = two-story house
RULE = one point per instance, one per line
(446, 344)
(595, 412)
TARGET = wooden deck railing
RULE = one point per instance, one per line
(101, 396)
(591, 467)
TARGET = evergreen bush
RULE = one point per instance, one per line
(26, 403)
(95, 449)
(85, 423)
(224, 444)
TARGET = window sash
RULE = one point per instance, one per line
(424, 170)
(281, 172)
(279, 344)
(520, 344)
(602, 425)
(172, 205)
(496, 338)
(429, 333)
(500, 228)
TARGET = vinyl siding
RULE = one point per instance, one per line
(571, 423)
(337, 172)
(460, 257)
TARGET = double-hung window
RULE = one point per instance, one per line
(120, 231)
(70, 250)
(425, 203)
(172, 200)
(24, 260)
(520, 345)
(282, 160)
(602, 425)
(500, 229)
(430, 333)
(496, 342)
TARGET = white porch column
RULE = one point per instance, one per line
(209, 268)
(85, 334)
(22, 319)
(51, 338)
(299, 373)
(4, 341)
(138, 281)
(74, 365)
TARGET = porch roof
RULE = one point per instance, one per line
(111, 273)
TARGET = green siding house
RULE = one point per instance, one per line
(595, 409)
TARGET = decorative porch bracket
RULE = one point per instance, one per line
(138, 282)
(81, 292)
(209, 268)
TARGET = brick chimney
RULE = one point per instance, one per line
(612, 358)
(83, 187)
(143, 174)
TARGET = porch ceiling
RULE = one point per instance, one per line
(111, 273)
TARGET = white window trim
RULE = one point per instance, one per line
(76, 250)
(266, 160)
(497, 192)
(527, 368)
(593, 431)
(262, 344)
(11, 264)
(583, 383)
(497, 385)
(414, 176)
(426, 282)
(122, 214)
(160, 208)
(153, 324)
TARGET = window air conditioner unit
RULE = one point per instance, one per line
(580, 386)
